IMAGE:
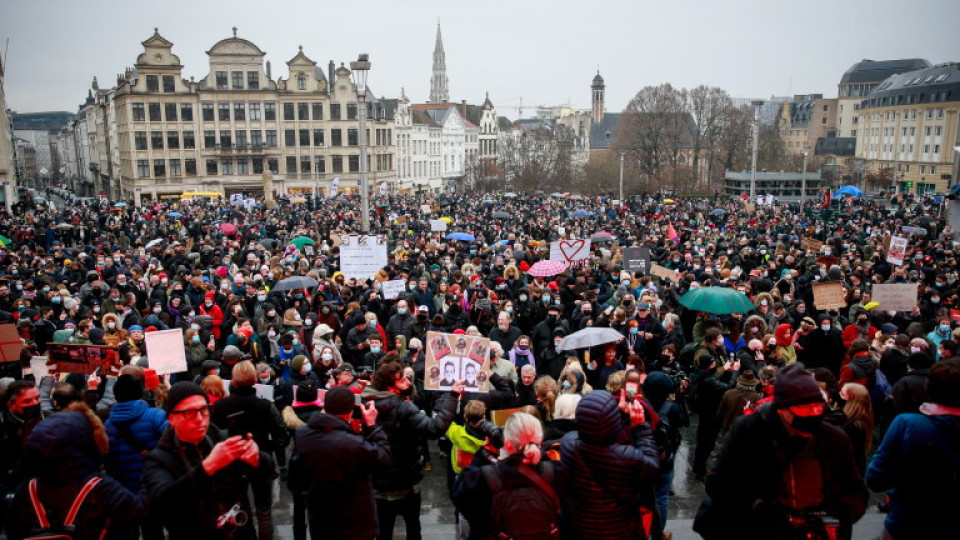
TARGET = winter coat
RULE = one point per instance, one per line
(505, 339)
(919, 459)
(399, 325)
(607, 481)
(822, 350)
(910, 391)
(144, 425)
(334, 465)
(259, 417)
(464, 440)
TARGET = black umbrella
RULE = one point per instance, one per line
(295, 282)
(268, 243)
(501, 215)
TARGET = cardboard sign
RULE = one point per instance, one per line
(82, 359)
(895, 296)
(664, 272)
(811, 244)
(391, 289)
(829, 295)
(573, 252)
(362, 256)
(919, 231)
(308, 250)
(438, 225)
(750, 208)
(898, 250)
(10, 343)
(165, 351)
(637, 259)
(456, 357)
(500, 417)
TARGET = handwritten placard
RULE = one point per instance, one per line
(438, 225)
(165, 351)
(895, 296)
(362, 256)
(664, 272)
(898, 250)
(829, 295)
(391, 289)
(572, 252)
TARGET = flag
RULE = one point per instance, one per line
(672, 234)
(383, 188)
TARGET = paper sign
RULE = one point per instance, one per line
(10, 343)
(308, 250)
(919, 231)
(38, 366)
(829, 295)
(499, 417)
(572, 252)
(425, 209)
(895, 296)
(264, 391)
(438, 225)
(457, 357)
(811, 244)
(898, 250)
(637, 259)
(664, 272)
(165, 351)
(362, 256)
(391, 289)
(83, 359)
(750, 208)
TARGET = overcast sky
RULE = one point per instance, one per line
(545, 52)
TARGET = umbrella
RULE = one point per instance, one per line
(152, 243)
(718, 212)
(669, 201)
(120, 205)
(556, 195)
(510, 195)
(461, 236)
(4, 241)
(590, 337)
(602, 236)
(547, 268)
(449, 220)
(850, 191)
(64, 226)
(488, 201)
(580, 213)
(269, 243)
(295, 282)
(228, 228)
(501, 215)
(175, 214)
(538, 192)
(301, 241)
(717, 300)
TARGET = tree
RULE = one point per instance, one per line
(709, 106)
(880, 180)
(483, 175)
(650, 129)
(539, 156)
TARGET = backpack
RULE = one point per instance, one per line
(666, 437)
(67, 529)
(523, 511)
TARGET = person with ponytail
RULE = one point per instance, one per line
(485, 493)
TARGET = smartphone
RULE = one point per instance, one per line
(633, 389)
(234, 423)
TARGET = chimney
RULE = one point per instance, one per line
(330, 69)
(464, 108)
(268, 71)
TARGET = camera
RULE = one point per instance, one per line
(234, 518)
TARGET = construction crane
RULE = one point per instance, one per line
(519, 106)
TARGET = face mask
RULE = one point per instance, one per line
(307, 367)
(111, 325)
(296, 341)
(326, 357)
(565, 385)
(825, 327)
(262, 297)
(156, 310)
(556, 301)
(271, 314)
(935, 299)
(413, 351)
(523, 347)
(298, 296)
(164, 281)
(523, 298)
(115, 298)
(224, 286)
(944, 328)
(195, 339)
(96, 309)
(375, 350)
(546, 299)
(55, 299)
(625, 283)
(634, 331)
(763, 303)
(208, 304)
(325, 311)
(862, 322)
(31, 413)
(807, 424)
(552, 319)
(915, 349)
(195, 326)
(264, 380)
(401, 311)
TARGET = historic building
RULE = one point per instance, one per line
(8, 176)
(857, 83)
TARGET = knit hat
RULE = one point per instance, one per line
(795, 386)
(231, 352)
(306, 391)
(207, 365)
(128, 388)
(150, 379)
(135, 328)
(297, 363)
(339, 400)
(180, 392)
(323, 330)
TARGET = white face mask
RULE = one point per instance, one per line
(915, 349)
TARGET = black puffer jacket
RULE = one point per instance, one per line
(608, 481)
(243, 412)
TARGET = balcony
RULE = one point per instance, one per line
(243, 150)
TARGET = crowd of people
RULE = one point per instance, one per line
(798, 410)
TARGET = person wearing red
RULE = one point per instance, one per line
(209, 307)
(860, 328)
(860, 367)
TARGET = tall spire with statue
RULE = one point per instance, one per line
(439, 93)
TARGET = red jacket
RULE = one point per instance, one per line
(851, 332)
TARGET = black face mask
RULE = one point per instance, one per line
(31, 412)
(807, 424)
(413, 352)
(407, 392)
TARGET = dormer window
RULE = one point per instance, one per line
(301, 82)
(153, 83)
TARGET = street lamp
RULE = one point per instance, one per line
(803, 179)
(621, 178)
(360, 69)
(756, 141)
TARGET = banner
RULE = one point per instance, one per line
(391, 289)
(457, 357)
(438, 225)
(573, 252)
(636, 259)
(895, 296)
(664, 272)
(165, 351)
(333, 186)
(82, 359)
(362, 256)
(829, 295)
(10, 343)
(898, 250)
(383, 188)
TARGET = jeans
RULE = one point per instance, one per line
(408, 508)
(662, 494)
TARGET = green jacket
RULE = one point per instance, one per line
(463, 443)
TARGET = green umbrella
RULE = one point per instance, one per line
(717, 300)
(4, 241)
(301, 241)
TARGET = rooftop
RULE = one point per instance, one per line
(874, 71)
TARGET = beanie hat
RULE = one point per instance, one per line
(135, 328)
(306, 391)
(795, 386)
(231, 352)
(339, 401)
(207, 365)
(297, 363)
(127, 388)
(150, 379)
(704, 361)
(181, 391)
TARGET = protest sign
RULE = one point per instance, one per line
(919, 231)
(895, 296)
(572, 252)
(391, 289)
(10, 343)
(438, 225)
(898, 250)
(664, 272)
(955, 315)
(811, 244)
(637, 259)
(453, 357)
(362, 256)
(83, 359)
(165, 351)
(499, 417)
(829, 295)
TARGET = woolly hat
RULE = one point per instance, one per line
(306, 391)
(795, 386)
(180, 392)
(339, 400)
(297, 363)
(231, 352)
(128, 388)
(150, 379)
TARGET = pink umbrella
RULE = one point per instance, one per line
(228, 228)
(547, 268)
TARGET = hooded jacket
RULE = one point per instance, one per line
(138, 421)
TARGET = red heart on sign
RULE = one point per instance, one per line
(571, 249)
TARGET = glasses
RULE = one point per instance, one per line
(193, 414)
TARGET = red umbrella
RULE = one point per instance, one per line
(547, 268)
(228, 228)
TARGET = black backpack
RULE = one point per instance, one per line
(666, 437)
(520, 511)
(66, 530)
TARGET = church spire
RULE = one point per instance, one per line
(438, 83)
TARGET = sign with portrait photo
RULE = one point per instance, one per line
(455, 357)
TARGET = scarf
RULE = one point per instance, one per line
(936, 409)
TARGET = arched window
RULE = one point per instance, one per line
(301, 82)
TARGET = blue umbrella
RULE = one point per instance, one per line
(461, 236)
(581, 213)
(175, 214)
(718, 212)
(849, 191)
(119, 204)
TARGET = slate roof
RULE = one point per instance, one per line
(41, 121)
(874, 71)
(935, 84)
(603, 133)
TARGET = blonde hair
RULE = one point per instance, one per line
(859, 410)
(546, 389)
(213, 386)
(244, 374)
(566, 407)
(525, 434)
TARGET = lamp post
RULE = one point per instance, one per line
(896, 155)
(621, 178)
(756, 141)
(360, 69)
(803, 179)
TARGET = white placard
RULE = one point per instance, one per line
(570, 251)
(362, 256)
(38, 366)
(895, 296)
(391, 289)
(264, 391)
(438, 225)
(165, 351)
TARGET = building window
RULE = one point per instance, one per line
(256, 138)
(354, 163)
(335, 138)
(211, 166)
(168, 84)
(317, 110)
(289, 138)
(241, 138)
(237, 79)
(207, 111)
(221, 80)
(291, 165)
(226, 166)
(209, 139)
(337, 164)
(274, 165)
(254, 111)
(335, 111)
(288, 111)
(191, 166)
(301, 82)
(239, 111)
(140, 140)
(143, 168)
(173, 140)
(223, 113)
(321, 164)
(188, 142)
(272, 138)
(823, 121)
(159, 168)
(253, 80)
(257, 165)
(352, 137)
(186, 112)
(225, 140)
(318, 137)
(305, 164)
(156, 140)
(243, 167)
(153, 83)
(139, 114)
(154, 110)
(170, 111)
(351, 111)
(303, 111)
(304, 137)
(175, 167)
(269, 110)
